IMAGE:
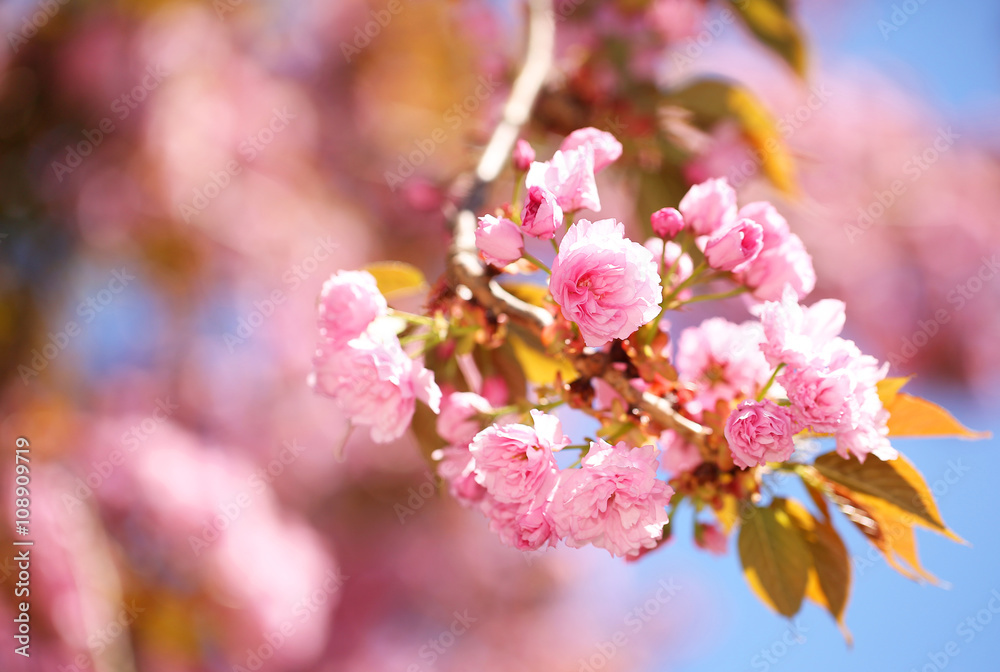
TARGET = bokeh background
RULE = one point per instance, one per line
(177, 179)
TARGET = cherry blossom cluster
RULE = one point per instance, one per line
(750, 387)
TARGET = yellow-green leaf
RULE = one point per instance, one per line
(771, 22)
(775, 556)
(913, 416)
(896, 482)
(395, 277)
(888, 388)
(712, 100)
(539, 366)
(887, 528)
(829, 582)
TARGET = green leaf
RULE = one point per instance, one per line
(775, 556)
(895, 482)
(772, 23)
(396, 278)
(712, 101)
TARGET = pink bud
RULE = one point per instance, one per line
(734, 248)
(523, 155)
(542, 215)
(499, 239)
(667, 222)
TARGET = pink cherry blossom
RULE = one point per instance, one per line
(605, 146)
(667, 222)
(524, 528)
(709, 206)
(457, 422)
(711, 538)
(499, 239)
(348, 303)
(759, 432)
(775, 226)
(613, 501)
(794, 334)
(523, 155)
(515, 462)
(457, 468)
(607, 284)
(375, 383)
(542, 215)
(775, 267)
(723, 360)
(733, 248)
(569, 175)
(678, 455)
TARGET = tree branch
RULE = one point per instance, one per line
(468, 274)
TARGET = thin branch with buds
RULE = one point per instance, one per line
(466, 270)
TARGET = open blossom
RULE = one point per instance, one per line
(722, 359)
(375, 383)
(709, 206)
(794, 334)
(759, 432)
(499, 239)
(524, 528)
(613, 501)
(457, 468)
(607, 284)
(788, 264)
(667, 222)
(569, 175)
(515, 462)
(605, 146)
(542, 215)
(523, 155)
(836, 393)
(348, 303)
(457, 422)
(733, 248)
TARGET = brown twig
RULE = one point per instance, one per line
(468, 274)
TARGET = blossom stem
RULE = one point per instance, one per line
(692, 279)
(555, 245)
(530, 257)
(721, 295)
(410, 317)
(763, 391)
(515, 210)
